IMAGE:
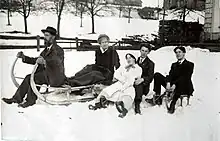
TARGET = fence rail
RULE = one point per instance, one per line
(87, 45)
(74, 43)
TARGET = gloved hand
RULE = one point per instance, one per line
(41, 61)
(20, 54)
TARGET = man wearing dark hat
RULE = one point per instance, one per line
(178, 81)
(50, 70)
(142, 84)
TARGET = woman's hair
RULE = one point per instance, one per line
(132, 56)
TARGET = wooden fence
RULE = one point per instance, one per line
(70, 43)
(86, 44)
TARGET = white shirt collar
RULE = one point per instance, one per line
(103, 50)
(49, 47)
(181, 61)
(142, 59)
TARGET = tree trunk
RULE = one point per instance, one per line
(25, 24)
(9, 7)
(81, 16)
(59, 14)
(129, 15)
(184, 19)
(162, 41)
(93, 24)
(120, 10)
(9, 17)
(25, 18)
(58, 26)
(76, 6)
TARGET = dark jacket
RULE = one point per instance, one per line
(147, 72)
(54, 68)
(109, 59)
(180, 75)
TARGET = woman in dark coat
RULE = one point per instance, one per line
(106, 61)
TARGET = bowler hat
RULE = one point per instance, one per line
(50, 29)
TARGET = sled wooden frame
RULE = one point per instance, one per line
(56, 90)
(167, 99)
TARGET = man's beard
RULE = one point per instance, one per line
(47, 43)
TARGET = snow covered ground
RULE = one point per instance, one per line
(198, 122)
(115, 27)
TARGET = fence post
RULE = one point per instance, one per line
(77, 43)
(38, 43)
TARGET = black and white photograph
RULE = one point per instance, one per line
(110, 70)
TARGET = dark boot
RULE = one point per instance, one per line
(121, 109)
(150, 101)
(95, 107)
(158, 99)
(171, 109)
(103, 102)
(10, 100)
(137, 108)
(26, 104)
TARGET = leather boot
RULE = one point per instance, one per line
(137, 108)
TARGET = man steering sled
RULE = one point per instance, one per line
(50, 70)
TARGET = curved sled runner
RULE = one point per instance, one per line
(63, 95)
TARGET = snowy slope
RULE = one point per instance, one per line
(198, 122)
(115, 27)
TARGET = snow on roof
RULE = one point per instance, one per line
(192, 16)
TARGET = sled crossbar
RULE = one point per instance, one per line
(19, 77)
(66, 88)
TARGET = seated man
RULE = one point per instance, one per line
(178, 81)
(50, 70)
(106, 61)
(142, 84)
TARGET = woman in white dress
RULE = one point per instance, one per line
(122, 92)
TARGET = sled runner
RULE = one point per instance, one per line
(63, 95)
(166, 98)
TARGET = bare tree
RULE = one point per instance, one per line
(8, 11)
(126, 5)
(59, 5)
(121, 4)
(76, 6)
(24, 8)
(129, 7)
(82, 10)
(93, 7)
